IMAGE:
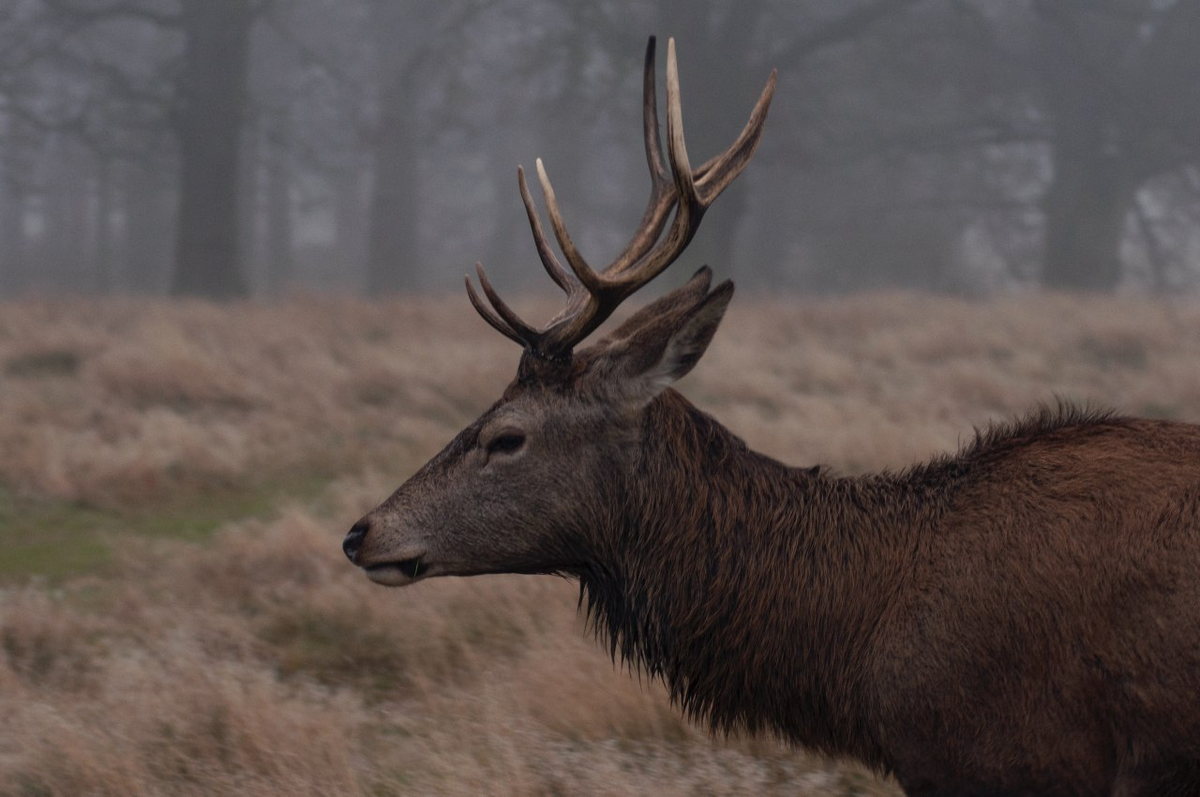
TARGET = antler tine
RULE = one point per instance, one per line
(662, 198)
(486, 313)
(689, 206)
(716, 174)
(582, 270)
(514, 321)
(553, 267)
(578, 297)
(592, 298)
(696, 189)
(676, 146)
(654, 151)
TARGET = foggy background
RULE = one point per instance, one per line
(229, 148)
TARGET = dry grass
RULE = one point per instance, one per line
(112, 402)
(261, 663)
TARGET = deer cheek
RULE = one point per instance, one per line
(477, 459)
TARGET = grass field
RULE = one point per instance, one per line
(176, 617)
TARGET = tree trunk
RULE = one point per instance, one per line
(1084, 220)
(148, 231)
(103, 253)
(12, 213)
(65, 211)
(209, 119)
(352, 227)
(12, 239)
(392, 252)
(279, 236)
(1102, 149)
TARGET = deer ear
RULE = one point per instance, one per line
(683, 297)
(663, 349)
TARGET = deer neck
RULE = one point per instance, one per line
(746, 585)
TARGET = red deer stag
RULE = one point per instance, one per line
(1022, 617)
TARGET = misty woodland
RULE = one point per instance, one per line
(227, 147)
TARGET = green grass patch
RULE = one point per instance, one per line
(54, 540)
(51, 539)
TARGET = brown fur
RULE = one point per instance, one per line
(1020, 618)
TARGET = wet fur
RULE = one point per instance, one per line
(1020, 618)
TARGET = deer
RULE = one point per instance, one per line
(1021, 617)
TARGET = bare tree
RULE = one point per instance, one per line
(208, 116)
(1119, 82)
(219, 147)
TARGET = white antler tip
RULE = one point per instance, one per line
(551, 204)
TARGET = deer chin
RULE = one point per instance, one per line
(399, 573)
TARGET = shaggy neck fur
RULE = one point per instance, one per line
(754, 590)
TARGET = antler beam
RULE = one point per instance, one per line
(593, 296)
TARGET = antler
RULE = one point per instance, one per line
(592, 297)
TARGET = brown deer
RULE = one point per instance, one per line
(1021, 618)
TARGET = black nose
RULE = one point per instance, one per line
(354, 539)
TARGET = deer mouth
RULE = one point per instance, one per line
(398, 573)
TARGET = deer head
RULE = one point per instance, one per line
(525, 487)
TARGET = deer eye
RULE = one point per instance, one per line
(506, 443)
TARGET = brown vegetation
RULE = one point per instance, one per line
(262, 663)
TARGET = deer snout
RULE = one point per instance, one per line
(354, 539)
(387, 557)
